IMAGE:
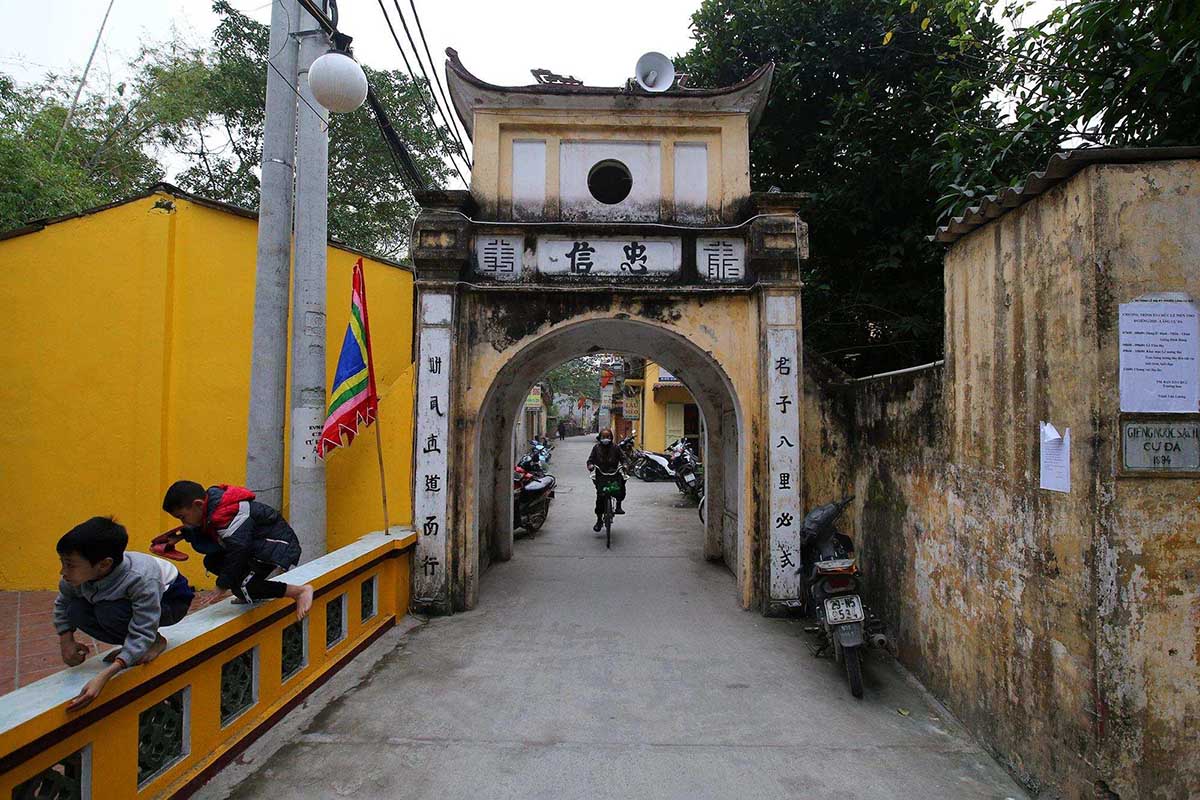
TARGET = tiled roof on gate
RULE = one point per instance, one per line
(1061, 167)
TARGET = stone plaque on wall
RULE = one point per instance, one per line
(1161, 446)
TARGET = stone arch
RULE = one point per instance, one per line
(490, 529)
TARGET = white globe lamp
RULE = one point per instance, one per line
(338, 83)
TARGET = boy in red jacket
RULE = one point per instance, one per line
(243, 541)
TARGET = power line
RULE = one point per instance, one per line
(428, 84)
(417, 85)
(445, 98)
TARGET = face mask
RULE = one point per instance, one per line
(606, 441)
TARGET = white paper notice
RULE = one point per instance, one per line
(1160, 355)
(1056, 458)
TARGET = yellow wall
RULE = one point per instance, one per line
(652, 430)
(126, 359)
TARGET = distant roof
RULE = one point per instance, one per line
(469, 93)
(1061, 167)
(162, 187)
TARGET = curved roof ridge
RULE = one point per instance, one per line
(468, 91)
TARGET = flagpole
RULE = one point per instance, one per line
(387, 527)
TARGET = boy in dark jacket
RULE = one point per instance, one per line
(114, 597)
(243, 541)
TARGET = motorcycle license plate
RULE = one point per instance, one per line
(847, 608)
(690, 478)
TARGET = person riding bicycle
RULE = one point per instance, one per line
(607, 457)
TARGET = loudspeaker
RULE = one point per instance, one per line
(654, 72)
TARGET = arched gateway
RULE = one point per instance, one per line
(607, 220)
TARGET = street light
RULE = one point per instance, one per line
(338, 82)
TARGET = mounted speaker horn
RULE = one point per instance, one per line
(654, 72)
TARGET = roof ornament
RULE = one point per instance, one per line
(546, 76)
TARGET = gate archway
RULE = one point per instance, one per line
(710, 384)
(537, 264)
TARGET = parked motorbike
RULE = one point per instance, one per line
(542, 449)
(531, 499)
(628, 448)
(649, 466)
(830, 586)
(688, 470)
(532, 464)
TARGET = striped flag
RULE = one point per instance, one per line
(354, 400)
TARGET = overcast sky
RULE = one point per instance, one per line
(598, 42)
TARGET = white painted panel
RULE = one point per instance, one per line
(644, 161)
(781, 310)
(691, 182)
(721, 260)
(609, 257)
(529, 179)
(784, 423)
(436, 309)
(499, 257)
(432, 445)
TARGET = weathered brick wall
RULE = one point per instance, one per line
(962, 565)
(1062, 629)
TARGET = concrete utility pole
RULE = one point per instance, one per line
(268, 372)
(307, 488)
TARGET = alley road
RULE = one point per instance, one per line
(629, 673)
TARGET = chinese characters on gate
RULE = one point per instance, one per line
(433, 387)
(784, 422)
(504, 258)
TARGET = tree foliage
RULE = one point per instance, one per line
(1107, 73)
(579, 377)
(895, 115)
(102, 155)
(202, 109)
(852, 121)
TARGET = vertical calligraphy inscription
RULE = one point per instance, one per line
(784, 396)
(433, 403)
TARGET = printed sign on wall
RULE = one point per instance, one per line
(1160, 355)
(631, 258)
(784, 423)
(433, 428)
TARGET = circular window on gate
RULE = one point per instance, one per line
(610, 182)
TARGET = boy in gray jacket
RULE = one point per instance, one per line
(114, 597)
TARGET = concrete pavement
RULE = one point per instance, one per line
(628, 673)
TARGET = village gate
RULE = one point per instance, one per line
(607, 220)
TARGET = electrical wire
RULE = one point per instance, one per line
(433, 69)
(460, 152)
(428, 83)
(399, 152)
(417, 85)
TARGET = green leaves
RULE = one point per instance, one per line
(856, 123)
(202, 108)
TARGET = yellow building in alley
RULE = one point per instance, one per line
(126, 362)
(661, 410)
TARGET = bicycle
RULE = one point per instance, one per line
(609, 489)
